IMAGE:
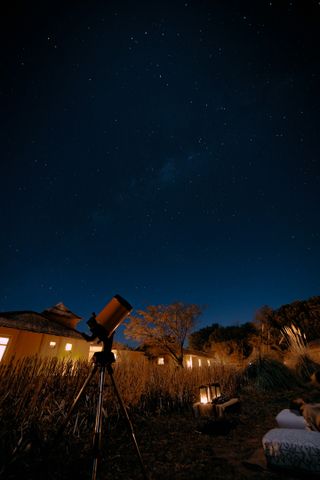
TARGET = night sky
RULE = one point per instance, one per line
(163, 150)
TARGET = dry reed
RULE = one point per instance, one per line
(35, 395)
(295, 339)
(297, 355)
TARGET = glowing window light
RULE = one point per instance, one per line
(199, 362)
(115, 353)
(52, 344)
(68, 347)
(3, 345)
(189, 363)
(208, 362)
(2, 350)
(160, 360)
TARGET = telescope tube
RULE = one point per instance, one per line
(113, 314)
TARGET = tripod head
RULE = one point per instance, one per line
(106, 356)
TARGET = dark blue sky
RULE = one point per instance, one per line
(162, 150)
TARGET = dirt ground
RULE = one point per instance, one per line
(173, 446)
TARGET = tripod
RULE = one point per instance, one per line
(102, 361)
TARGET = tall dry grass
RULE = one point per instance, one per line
(296, 340)
(298, 357)
(151, 388)
(35, 395)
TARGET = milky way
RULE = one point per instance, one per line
(160, 150)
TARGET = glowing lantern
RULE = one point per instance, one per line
(215, 391)
(204, 394)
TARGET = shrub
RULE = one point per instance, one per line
(269, 374)
(305, 367)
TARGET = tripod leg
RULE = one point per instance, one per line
(129, 424)
(74, 404)
(98, 425)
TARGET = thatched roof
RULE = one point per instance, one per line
(155, 351)
(61, 314)
(198, 353)
(38, 323)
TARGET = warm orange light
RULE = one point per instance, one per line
(68, 347)
(215, 391)
(3, 345)
(204, 398)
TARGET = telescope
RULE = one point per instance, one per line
(108, 320)
(113, 314)
(103, 326)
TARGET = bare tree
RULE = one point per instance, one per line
(164, 326)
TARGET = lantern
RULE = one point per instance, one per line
(204, 394)
(215, 391)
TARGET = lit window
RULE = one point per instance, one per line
(93, 349)
(160, 361)
(189, 363)
(52, 344)
(199, 362)
(3, 345)
(208, 361)
(68, 347)
(115, 353)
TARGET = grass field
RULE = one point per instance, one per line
(36, 394)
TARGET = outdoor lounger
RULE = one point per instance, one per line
(292, 445)
(292, 448)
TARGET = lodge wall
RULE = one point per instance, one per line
(23, 343)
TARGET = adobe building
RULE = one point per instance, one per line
(51, 333)
(191, 358)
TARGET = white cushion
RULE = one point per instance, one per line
(290, 419)
(293, 449)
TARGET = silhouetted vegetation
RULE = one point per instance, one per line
(269, 374)
(265, 333)
(234, 340)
